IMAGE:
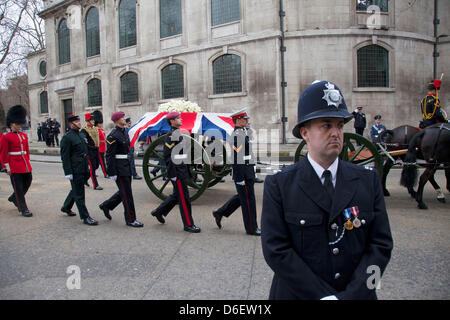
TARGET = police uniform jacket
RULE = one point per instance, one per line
(299, 222)
(15, 152)
(74, 153)
(175, 169)
(118, 143)
(243, 165)
(360, 119)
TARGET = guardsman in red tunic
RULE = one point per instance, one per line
(15, 156)
(98, 118)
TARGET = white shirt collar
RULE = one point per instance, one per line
(319, 169)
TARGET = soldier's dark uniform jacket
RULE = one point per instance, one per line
(431, 111)
(243, 164)
(74, 153)
(175, 170)
(304, 240)
(118, 143)
(360, 120)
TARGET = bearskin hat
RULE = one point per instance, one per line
(98, 116)
(16, 114)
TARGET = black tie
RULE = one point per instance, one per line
(328, 183)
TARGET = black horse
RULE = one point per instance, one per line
(434, 144)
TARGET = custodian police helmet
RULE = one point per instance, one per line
(322, 99)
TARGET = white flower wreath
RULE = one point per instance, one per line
(179, 106)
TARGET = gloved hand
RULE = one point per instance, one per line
(113, 178)
(241, 183)
(173, 179)
(70, 177)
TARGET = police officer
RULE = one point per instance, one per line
(119, 169)
(360, 121)
(91, 134)
(377, 129)
(15, 157)
(243, 177)
(430, 105)
(178, 172)
(324, 222)
(74, 152)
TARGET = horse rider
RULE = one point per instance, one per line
(430, 105)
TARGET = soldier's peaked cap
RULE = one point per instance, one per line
(16, 114)
(240, 114)
(322, 99)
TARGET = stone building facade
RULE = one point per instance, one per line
(226, 54)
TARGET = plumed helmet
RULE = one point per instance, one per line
(98, 116)
(16, 114)
(322, 99)
(434, 84)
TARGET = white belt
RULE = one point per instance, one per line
(18, 153)
(247, 157)
(121, 156)
(180, 156)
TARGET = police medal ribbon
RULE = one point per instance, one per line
(356, 221)
(348, 224)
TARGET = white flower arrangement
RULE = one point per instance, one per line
(179, 106)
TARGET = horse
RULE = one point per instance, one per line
(398, 139)
(434, 144)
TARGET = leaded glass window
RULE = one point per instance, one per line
(172, 81)
(63, 42)
(227, 74)
(44, 102)
(129, 87)
(170, 16)
(363, 5)
(224, 11)
(94, 93)
(373, 66)
(92, 33)
(127, 23)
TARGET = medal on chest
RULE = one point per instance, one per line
(355, 213)
(348, 224)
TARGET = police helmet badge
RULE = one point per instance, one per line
(332, 96)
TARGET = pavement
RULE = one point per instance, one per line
(162, 262)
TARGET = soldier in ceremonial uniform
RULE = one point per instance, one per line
(430, 105)
(360, 121)
(91, 134)
(15, 157)
(377, 129)
(178, 172)
(98, 122)
(119, 169)
(243, 176)
(324, 225)
(133, 165)
(74, 156)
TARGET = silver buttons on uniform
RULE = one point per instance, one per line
(335, 251)
(302, 222)
(363, 221)
(334, 226)
(337, 275)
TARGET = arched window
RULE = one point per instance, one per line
(363, 5)
(43, 68)
(92, 33)
(127, 23)
(63, 42)
(227, 76)
(172, 81)
(373, 66)
(43, 102)
(129, 87)
(170, 17)
(94, 93)
(224, 11)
